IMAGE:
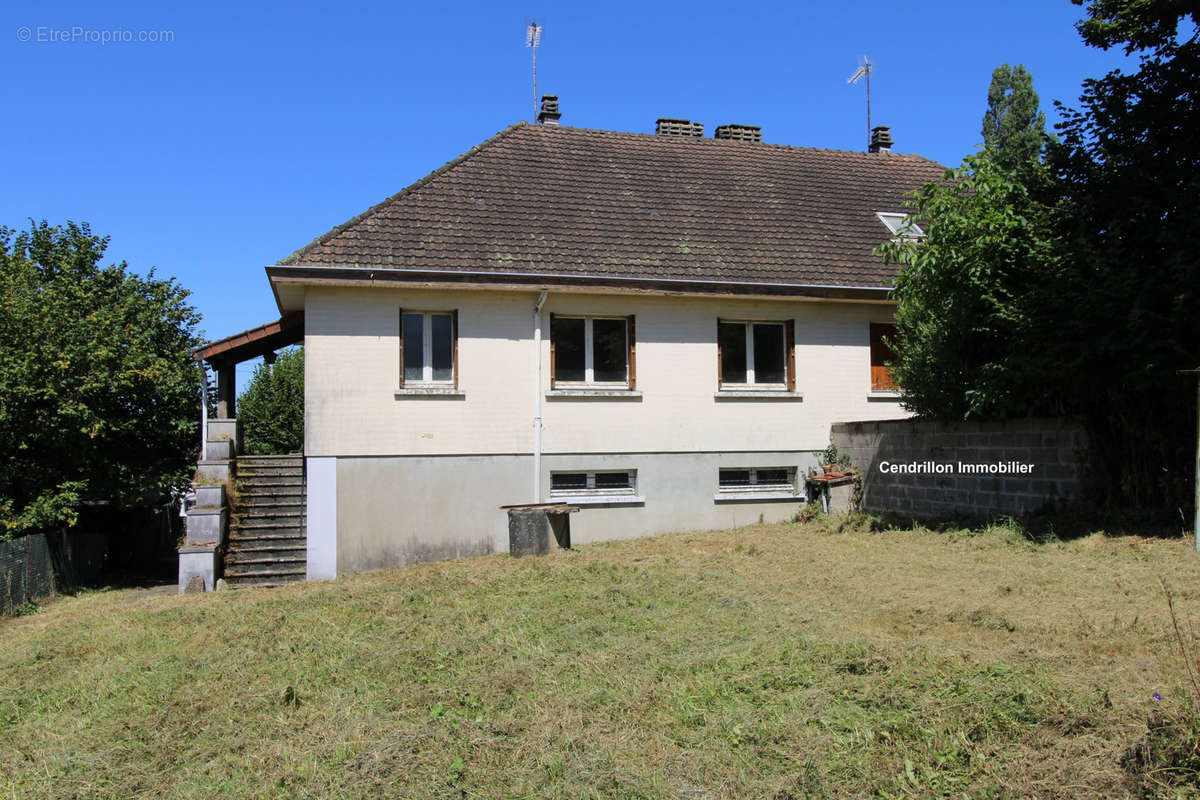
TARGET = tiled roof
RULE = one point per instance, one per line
(571, 201)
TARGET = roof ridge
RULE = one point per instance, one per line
(709, 141)
(412, 187)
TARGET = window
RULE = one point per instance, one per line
(758, 478)
(901, 225)
(756, 354)
(428, 348)
(606, 484)
(586, 351)
(881, 353)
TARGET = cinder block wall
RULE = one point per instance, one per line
(1053, 448)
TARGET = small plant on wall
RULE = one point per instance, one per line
(833, 459)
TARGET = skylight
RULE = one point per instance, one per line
(901, 225)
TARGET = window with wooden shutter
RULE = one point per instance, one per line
(882, 334)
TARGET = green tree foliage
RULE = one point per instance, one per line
(1072, 286)
(1128, 170)
(1014, 125)
(98, 390)
(970, 298)
(272, 407)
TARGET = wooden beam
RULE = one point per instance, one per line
(227, 391)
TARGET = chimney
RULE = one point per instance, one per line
(677, 127)
(881, 139)
(739, 133)
(549, 114)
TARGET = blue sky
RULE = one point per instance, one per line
(247, 130)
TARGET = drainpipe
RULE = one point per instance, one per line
(537, 398)
(203, 412)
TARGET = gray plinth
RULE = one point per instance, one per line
(214, 471)
(206, 526)
(536, 530)
(210, 496)
(197, 562)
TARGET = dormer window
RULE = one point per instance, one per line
(901, 225)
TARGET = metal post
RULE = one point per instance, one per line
(1196, 475)
(537, 397)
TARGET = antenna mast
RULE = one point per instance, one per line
(864, 71)
(533, 37)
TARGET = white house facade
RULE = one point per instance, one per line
(658, 329)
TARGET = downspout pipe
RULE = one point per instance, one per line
(537, 397)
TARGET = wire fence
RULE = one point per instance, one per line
(37, 566)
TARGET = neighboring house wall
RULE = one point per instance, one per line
(419, 478)
(1052, 449)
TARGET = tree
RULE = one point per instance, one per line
(1014, 125)
(98, 390)
(970, 303)
(272, 407)
(1128, 170)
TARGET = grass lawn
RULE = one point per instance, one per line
(774, 661)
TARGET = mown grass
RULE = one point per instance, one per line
(776, 661)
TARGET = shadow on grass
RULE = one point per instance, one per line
(1035, 528)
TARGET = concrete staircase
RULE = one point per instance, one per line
(267, 535)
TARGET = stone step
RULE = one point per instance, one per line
(284, 546)
(267, 531)
(285, 516)
(274, 571)
(270, 462)
(268, 504)
(290, 473)
(238, 582)
(280, 558)
(266, 528)
(290, 458)
(271, 484)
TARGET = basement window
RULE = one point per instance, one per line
(757, 483)
(758, 479)
(595, 487)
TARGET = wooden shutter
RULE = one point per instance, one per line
(539, 355)
(789, 328)
(719, 370)
(402, 348)
(632, 353)
(454, 334)
(881, 353)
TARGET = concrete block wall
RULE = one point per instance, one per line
(927, 469)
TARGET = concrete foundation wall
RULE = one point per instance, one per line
(1044, 456)
(393, 511)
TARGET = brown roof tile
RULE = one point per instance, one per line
(571, 201)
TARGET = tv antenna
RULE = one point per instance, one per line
(533, 37)
(864, 71)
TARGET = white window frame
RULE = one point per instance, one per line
(589, 356)
(901, 225)
(593, 495)
(748, 326)
(427, 348)
(788, 490)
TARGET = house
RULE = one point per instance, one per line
(659, 329)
